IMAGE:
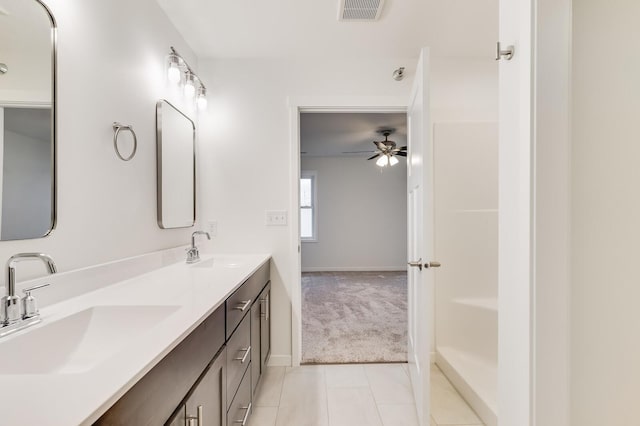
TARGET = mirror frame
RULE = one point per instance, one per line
(54, 127)
(159, 163)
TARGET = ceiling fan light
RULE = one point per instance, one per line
(393, 160)
(382, 161)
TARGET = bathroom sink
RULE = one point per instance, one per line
(79, 342)
(221, 262)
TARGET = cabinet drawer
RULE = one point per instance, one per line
(240, 409)
(238, 356)
(239, 303)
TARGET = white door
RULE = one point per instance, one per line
(420, 236)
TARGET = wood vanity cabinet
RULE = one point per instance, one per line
(153, 399)
(206, 402)
(211, 376)
(244, 343)
(265, 327)
(260, 335)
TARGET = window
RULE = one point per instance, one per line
(308, 206)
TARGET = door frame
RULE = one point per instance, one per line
(535, 306)
(373, 104)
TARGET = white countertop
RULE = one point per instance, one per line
(64, 398)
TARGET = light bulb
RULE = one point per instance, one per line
(189, 85)
(393, 160)
(173, 72)
(382, 161)
(201, 101)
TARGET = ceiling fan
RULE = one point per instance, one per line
(386, 151)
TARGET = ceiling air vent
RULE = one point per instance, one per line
(359, 10)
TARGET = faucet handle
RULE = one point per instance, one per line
(28, 291)
(29, 304)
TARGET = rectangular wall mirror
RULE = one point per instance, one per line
(27, 120)
(176, 136)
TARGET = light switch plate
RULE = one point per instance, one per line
(276, 218)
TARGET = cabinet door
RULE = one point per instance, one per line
(207, 405)
(265, 326)
(178, 418)
(255, 344)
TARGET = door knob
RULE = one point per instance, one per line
(432, 265)
(417, 264)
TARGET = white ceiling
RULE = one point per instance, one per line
(332, 134)
(303, 28)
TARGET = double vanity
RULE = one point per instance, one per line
(181, 344)
(156, 339)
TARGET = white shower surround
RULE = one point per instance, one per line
(466, 289)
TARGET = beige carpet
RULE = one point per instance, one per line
(354, 317)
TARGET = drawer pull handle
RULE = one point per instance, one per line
(246, 415)
(243, 358)
(196, 421)
(245, 304)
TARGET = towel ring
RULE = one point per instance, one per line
(117, 127)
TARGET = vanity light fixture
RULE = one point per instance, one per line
(3, 68)
(176, 67)
(201, 100)
(189, 84)
(173, 71)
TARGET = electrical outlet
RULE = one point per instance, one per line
(276, 218)
(212, 228)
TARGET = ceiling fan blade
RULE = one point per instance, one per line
(357, 152)
(381, 146)
(403, 148)
(373, 156)
(401, 154)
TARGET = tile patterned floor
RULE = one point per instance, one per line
(353, 395)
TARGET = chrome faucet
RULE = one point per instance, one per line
(11, 316)
(193, 255)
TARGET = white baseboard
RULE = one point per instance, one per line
(279, 361)
(353, 268)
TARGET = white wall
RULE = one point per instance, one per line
(362, 215)
(605, 342)
(245, 144)
(110, 68)
(551, 148)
